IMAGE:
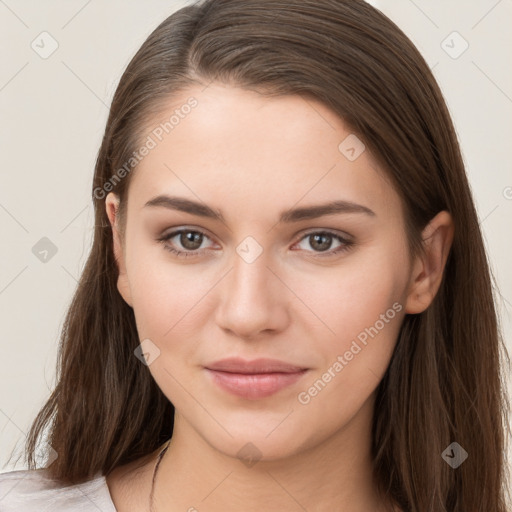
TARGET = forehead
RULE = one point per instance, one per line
(239, 150)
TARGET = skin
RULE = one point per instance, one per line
(251, 157)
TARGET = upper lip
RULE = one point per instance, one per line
(238, 365)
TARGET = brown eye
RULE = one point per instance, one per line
(321, 242)
(185, 242)
(191, 240)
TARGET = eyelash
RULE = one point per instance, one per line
(346, 243)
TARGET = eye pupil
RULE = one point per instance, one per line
(324, 241)
(189, 239)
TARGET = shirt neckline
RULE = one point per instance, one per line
(104, 492)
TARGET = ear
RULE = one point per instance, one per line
(123, 285)
(428, 267)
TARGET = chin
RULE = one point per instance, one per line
(265, 441)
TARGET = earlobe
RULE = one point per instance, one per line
(428, 267)
(112, 207)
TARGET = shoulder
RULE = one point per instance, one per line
(34, 490)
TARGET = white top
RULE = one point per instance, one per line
(34, 491)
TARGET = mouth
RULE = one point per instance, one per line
(255, 379)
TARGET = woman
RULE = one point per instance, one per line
(287, 305)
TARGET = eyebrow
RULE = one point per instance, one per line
(288, 216)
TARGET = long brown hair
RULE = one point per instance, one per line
(444, 382)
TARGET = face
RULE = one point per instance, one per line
(269, 322)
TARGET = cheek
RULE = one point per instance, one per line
(362, 302)
(365, 311)
(166, 297)
(352, 297)
(171, 304)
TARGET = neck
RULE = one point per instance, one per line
(335, 475)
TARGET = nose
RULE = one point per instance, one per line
(253, 300)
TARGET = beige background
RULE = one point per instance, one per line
(53, 113)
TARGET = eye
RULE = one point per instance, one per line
(322, 241)
(189, 242)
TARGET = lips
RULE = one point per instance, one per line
(257, 366)
(254, 379)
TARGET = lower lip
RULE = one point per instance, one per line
(254, 386)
